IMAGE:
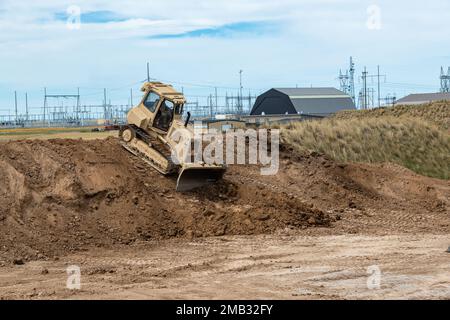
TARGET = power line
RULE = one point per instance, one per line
(197, 84)
(409, 85)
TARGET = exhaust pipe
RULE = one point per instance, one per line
(187, 119)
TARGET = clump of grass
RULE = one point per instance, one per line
(410, 142)
(435, 112)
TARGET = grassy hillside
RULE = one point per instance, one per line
(437, 113)
(410, 142)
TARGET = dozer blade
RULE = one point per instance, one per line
(194, 176)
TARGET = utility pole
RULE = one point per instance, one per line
(240, 90)
(104, 104)
(347, 80)
(364, 77)
(378, 77)
(372, 101)
(15, 104)
(352, 79)
(215, 93)
(78, 104)
(131, 97)
(148, 71)
(45, 102)
(26, 106)
(365, 91)
(210, 106)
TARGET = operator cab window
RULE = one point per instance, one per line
(165, 115)
(151, 101)
(169, 105)
(179, 109)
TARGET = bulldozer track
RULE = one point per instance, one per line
(144, 136)
(154, 143)
(144, 158)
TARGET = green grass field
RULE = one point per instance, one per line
(413, 143)
(53, 133)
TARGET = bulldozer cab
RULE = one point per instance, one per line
(162, 111)
(160, 106)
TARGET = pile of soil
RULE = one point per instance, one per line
(59, 196)
(372, 198)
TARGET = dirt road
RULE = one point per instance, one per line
(247, 267)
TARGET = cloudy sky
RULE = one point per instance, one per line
(200, 44)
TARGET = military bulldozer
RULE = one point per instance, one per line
(149, 135)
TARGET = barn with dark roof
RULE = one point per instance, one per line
(313, 101)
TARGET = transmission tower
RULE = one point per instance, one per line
(445, 80)
(60, 113)
(343, 79)
(352, 79)
(240, 105)
(347, 80)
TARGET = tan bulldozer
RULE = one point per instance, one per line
(149, 135)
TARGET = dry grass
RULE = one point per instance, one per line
(410, 142)
(53, 133)
(437, 113)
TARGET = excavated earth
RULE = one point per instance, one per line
(62, 196)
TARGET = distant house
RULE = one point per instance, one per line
(312, 101)
(421, 98)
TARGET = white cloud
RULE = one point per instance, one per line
(315, 40)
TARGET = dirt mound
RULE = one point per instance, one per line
(57, 196)
(370, 198)
(437, 113)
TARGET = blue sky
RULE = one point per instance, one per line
(248, 28)
(198, 45)
(92, 17)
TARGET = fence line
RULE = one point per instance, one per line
(91, 115)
